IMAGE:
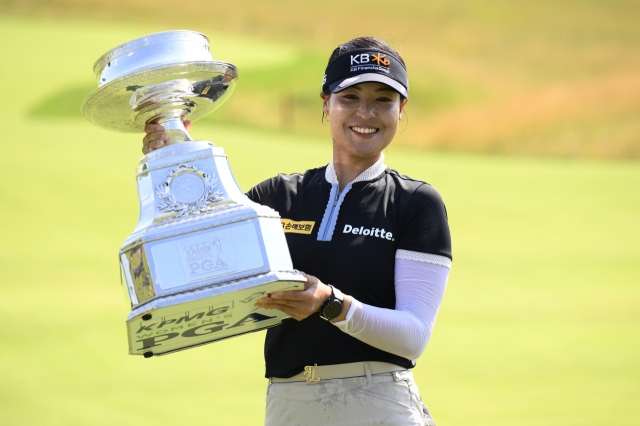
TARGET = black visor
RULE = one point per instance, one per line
(366, 65)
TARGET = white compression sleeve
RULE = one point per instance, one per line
(404, 331)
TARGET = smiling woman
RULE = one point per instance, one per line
(363, 120)
(380, 238)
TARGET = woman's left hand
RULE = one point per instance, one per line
(298, 304)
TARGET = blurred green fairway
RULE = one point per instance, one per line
(540, 324)
(554, 78)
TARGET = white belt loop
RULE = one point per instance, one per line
(367, 370)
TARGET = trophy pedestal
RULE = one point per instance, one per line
(201, 255)
(206, 315)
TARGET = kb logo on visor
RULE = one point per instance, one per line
(365, 58)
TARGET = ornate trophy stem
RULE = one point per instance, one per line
(174, 127)
(166, 103)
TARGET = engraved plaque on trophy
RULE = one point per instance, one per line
(202, 252)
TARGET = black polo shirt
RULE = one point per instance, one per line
(375, 218)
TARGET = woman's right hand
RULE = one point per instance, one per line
(156, 138)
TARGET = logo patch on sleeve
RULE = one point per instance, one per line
(302, 227)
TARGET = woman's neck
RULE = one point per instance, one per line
(349, 169)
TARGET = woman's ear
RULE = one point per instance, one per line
(325, 103)
(402, 104)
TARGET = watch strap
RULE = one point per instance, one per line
(336, 299)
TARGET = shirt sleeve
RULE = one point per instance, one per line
(425, 226)
(405, 331)
(263, 192)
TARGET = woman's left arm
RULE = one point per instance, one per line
(405, 331)
(422, 264)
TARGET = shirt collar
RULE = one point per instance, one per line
(371, 173)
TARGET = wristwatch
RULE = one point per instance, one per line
(332, 307)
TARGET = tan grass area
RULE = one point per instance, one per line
(492, 125)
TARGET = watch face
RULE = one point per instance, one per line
(333, 309)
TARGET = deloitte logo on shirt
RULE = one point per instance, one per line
(374, 232)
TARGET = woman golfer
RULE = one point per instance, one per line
(376, 251)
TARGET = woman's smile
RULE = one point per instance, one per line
(364, 131)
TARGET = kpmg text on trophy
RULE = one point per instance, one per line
(202, 252)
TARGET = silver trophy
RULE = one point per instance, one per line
(202, 252)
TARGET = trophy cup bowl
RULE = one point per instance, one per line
(202, 253)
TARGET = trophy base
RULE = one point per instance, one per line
(174, 323)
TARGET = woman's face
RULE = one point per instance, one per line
(363, 119)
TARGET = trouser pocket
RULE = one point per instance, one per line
(428, 420)
(407, 376)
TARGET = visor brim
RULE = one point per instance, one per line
(336, 87)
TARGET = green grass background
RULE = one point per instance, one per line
(540, 324)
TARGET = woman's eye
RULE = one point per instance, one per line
(384, 99)
(350, 96)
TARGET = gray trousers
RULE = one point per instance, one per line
(379, 399)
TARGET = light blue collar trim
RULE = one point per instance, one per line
(330, 218)
(371, 173)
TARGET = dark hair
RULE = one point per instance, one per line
(367, 42)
